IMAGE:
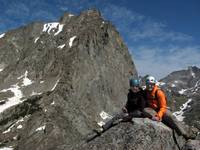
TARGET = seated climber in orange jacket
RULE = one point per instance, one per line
(156, 98)
(157, 107)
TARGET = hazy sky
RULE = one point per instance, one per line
(162, 35)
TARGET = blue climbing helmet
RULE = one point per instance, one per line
(134, 82)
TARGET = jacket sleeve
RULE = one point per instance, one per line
(142, 101)
(162, 104)
(127, 102)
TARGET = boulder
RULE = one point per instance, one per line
(141, 134)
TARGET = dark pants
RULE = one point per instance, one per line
(168, 119)
(121, 117)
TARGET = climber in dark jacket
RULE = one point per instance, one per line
(133, 108)
(135, 99)
(134, 105)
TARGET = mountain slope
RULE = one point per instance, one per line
(184, 89)
(60, 77)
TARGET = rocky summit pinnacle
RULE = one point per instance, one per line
(57, 78)
(60, 80)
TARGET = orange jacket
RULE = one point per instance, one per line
(159, 104)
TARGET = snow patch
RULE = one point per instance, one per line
(61, 46)
(71, 41)
(53, 103)
(53, 26)
(15, 137)
(55, 85)
(192, 73)
(196, 87)
(36, 39)
(176, 81)
(197, 83)
(20, 77)
(26, 80)
(173, 85)
(19, 126)
(179, 114)
(6, 148)
(182, 91)
(60, 28)
(2, 35)
(9, 129)
(70, 15)
(18, 121)
(41, 81)
(161, 83)
(40, 128)
(21, 120)
(34, 93)
(13, 100)
(2, 67)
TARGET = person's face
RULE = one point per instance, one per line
(150, 86)
(135, 89)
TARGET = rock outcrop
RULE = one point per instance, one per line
(141, 134)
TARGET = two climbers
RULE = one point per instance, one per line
(156, 100)
(150, 103)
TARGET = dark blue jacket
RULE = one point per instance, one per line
(135, 101)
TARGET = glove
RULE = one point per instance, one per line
(155, 118)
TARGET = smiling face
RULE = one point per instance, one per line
(150, 86)
(150, 83)
(135, 89)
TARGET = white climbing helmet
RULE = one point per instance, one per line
(150, 80)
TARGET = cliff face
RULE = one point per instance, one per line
(57, 78)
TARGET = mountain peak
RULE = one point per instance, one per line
(91, 12)
(66, 17)
(56, 78)
(193, 68)
(183, 88)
